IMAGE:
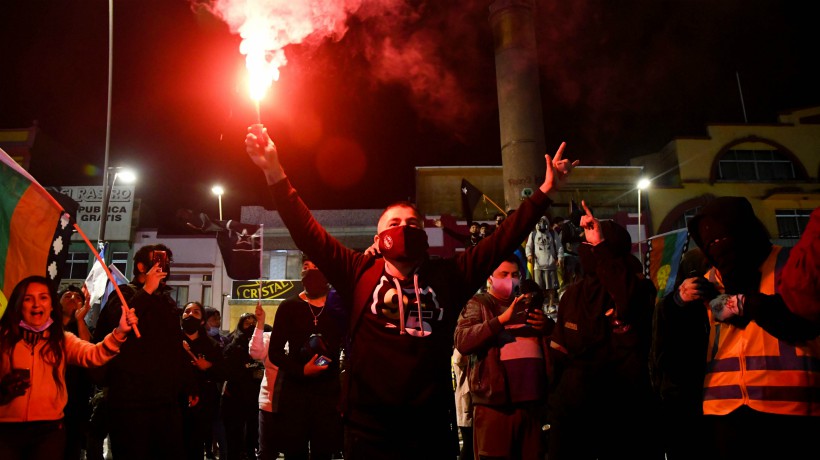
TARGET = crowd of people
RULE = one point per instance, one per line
(392, 354)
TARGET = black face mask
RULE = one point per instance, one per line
(190, 324)
(737, 265)
(314, 282)
(588, 260)
(403, 243)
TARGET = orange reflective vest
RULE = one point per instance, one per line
(751, 367)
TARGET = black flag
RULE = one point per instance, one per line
(240, 244)
(470, 196)
(241, 248)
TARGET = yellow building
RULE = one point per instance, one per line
(775, 166)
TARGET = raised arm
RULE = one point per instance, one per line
(263, 153)
(257, 347)
(557, 169)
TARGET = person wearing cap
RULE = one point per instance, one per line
(760, 376)
(600, 403)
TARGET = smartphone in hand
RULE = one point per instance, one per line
(322, 361)
(161, 259)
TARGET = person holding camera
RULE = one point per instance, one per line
(306, 409)
(35, 350)
(504, 337)
(733, 340)
(152, 378)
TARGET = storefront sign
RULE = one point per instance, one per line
(120, 210)
(270, 289)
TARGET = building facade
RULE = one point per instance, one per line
(775, 166)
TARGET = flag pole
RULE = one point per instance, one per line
(261, 256)
(107, 272)
(486, 198)
(43, 193)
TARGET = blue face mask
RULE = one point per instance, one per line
(213, 331)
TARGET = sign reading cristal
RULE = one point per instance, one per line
(270, 289)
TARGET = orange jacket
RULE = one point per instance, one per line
(748, 366)
(44, 399)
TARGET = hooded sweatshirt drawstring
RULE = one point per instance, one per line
(401, 302)
(401, 305)
(418, 300)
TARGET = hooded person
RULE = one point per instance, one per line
(737, 245)
(599, 351)
(542, 256)
(758, 378)
(733, 240)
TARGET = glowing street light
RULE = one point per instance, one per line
(218, 191)
(643, 184)
(127, 176)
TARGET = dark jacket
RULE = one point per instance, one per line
(243, 373)
(208, 381)
(153, 370)
(480, 336)
(419, 367)
(600, 345)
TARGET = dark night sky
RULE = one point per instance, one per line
(619, 79)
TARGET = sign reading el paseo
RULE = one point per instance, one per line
(90, 199)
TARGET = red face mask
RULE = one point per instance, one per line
(403, 243)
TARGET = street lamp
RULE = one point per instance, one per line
(218, 191)
(642, 185)
(127, 176)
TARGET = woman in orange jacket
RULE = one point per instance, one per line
(34, 351)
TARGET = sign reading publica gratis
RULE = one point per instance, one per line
(270, 289)
(90, 199)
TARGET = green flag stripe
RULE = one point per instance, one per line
(13, 188)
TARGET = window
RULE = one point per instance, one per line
(278, 265)
(120, 260)
(792, 222)
(76, 266)
(755, 165)
(207, 292)
(683, 220)
(179, 294)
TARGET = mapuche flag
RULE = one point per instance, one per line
(663, 259)
(35, 228)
